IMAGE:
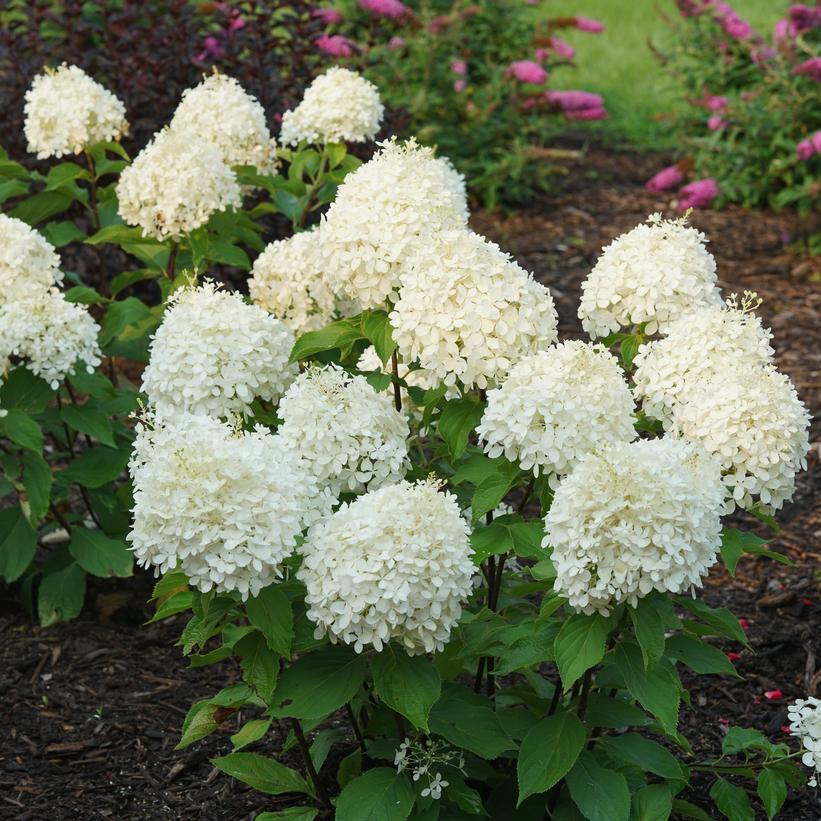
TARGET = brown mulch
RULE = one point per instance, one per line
(94, 707)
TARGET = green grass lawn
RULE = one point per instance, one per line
(620, 65)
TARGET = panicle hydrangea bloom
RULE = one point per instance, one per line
(633, 518)
(697, 347)
(654, 274)
(805, 722)
(339, 106)
(383, 212)
(287, 281)
(372, 577)
(28, 260)
(174, 186)
(351, 436)
(557, 405)
(468, 312)
(222, 113)
(214, 354)
(50, 334)
(752, 420)
(224, 506)
(66, 112)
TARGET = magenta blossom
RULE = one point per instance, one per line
(526, 71)
(236, 23)
(807, 148)
(697, 194)
(212, 49)
(589, 25)
(541, 54)
(716, 103)
(727, 17)
(393, 9)
(562, 49)
(762, 55)
(804, 18)
(666, 179)
(395, 43)
(459, 85)
(783, 30)
(716, 122)
(459, 67)
(569, 101)
(335, 44)
(587, 114)
(689, 8)
(328, 16)
(811, 67)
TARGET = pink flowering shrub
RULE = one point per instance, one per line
(754, 106)
(473, 78)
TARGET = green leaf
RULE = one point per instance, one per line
(120, 315)
(21, 429)
(380, 794)
(529, 651)
(128, 278)
(603, 711)
(99, 555)
(42, 206)
(23, 390)
(336, 153)
(739, 739)
(12, 188)
(226, 253)
(548, 752)
(658, 690)
(262, 773)
(37, 480)
(290, 813)
(202, 719)
(349, 768)
(250, 732)
(270, 611)
(377, 328)
(732, 801)
(649, 631)
(580, 645)
(289, 204)
(772, 790)
(641, 752)
(721, 620)
(18, 543)
(322, 744)
(319, 683)
(491, 491)
(699, 656)
(120, 234)
(458, 418)
(66, 172)
(62, 233)
(87, 419)
(652, 803)
(687, 810)
(84, 295)
(628, 349)
(735, 543)
(260, 665)
(408, 684)
(61, 594)
(96, 466)
(338, 335)
(600, 793)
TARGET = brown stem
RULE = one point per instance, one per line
(397, 391)
(321, 792)
(92, 199)
(528, 491)
(172, 262)
(554, 702)
(355, 724)
(586, 683)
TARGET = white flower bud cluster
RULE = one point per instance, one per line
(28, 261)
(633, 518)
(215, 354)
(67, 112)
(339, 106)
(805, 723)
(392, 564)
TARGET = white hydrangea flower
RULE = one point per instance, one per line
(654, 274)
(351, 436)
(557, 405)
(288, 282)
(383, 213)
(67, 112)
(222, 113)
(28, 261)
(633, 518)
(805, 722)
(468, 312)
(224, 506)
(215, 354)
(392, 564)
(752, 420)
(338, 106)
(697, 347)
(174, 186)
(50, 335)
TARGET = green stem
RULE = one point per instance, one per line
(312, 189)
(355, 725)
(321, 792)
(170, 269)
(92, 199)
(397, 391)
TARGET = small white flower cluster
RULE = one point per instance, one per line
(392, 564)
(27, 260)
(338, 106)
(383, 213)
(633, 518)
(422, 759)
(175, 184)
(351, 436)
(653, 274)
(224, 506)
(215, 354)
(288, 282)
(50, 334)
(222, 113)
(557, 405)
(468, 312)
(67, 112)
(805, 722)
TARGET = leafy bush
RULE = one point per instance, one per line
(755, 104)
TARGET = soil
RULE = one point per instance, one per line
(94, 707)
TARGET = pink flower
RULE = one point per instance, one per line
(277, 116)
(587, 114)
(811, 67)
(589, 25)
(459, 85)
(744, 624)
(724, 722)
(716, 122)
(212, 48)
(783, 30)
(807, 148)
(733, 25)
(459, 67)
(541, 54)
(785, 728)
(526, 71)
(438, 23)
(804, 18)
(563, 49)
(328, 16)
(578, 105)
(395, 43)
(236, 23)
(716, 103)
(761, 55)
(734, 656)
(393, 9)
(698, 194)
(688, 8)
(666, 179)
(774, 695)
(335, 44)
